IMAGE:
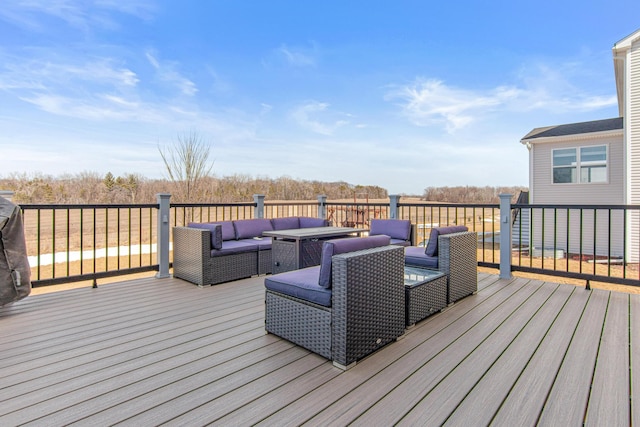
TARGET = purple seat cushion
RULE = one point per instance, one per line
(230, 247)
(414, 255)
(249, 228)
(341, 246)
(215, 229)
(400, 242)
(301, 284)
(263, 243)
(394, 228)
(432, 246)
(287, 223)
(308, 222)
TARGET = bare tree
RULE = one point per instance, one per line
(187, 163)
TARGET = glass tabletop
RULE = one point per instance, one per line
(415, 275)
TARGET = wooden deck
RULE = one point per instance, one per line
(154, 351)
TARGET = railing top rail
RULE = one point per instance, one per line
(357, 203)
(554, 206)
(205, 205)
(450, 205)
(291, 202)
(88, 206)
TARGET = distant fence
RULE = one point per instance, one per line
(68, 243)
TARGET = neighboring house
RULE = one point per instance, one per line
(591, 163)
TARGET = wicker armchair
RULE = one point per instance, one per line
(366, 308)
(457, 257)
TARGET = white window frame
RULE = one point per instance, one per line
(579, 164)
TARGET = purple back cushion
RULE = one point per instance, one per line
(308, 222)
(432, 246)
(228, 232)
(249, 228)
(287, 223)
(341, 246)
(394, 228)
(215, 229)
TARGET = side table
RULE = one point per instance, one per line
(425, 293)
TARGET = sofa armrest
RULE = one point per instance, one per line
(191, 253)
(458, 259)
(367, 302)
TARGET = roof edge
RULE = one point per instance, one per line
(626, 42)
(572, 137)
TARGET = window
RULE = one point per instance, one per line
(588, 164)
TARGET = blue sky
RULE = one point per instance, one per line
(403, 94)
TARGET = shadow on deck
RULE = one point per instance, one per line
(153, 351)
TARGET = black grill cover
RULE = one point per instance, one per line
(15, 273)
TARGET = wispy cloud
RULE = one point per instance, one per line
(166, 72)
(298, 57)
(316, 117)
(428, 102)
(45, 73)
(432, 102)
(102, 107)
(79, 14)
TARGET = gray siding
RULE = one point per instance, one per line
(609, 193)
(632, 130)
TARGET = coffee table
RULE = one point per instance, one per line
(302, 247)
(425, 293)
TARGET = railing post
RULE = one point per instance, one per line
(393, 206)
(259, 209)
(322, 207)
(505, 236)
(163, 235)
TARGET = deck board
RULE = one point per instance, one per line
(402, 399)
(527, 396)
(151, 351)
(569, 395)
(608, 403)
(488, 394)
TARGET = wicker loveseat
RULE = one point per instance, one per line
(452, 250)
(347, 307)
(211, 253)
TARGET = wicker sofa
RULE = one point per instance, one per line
(212, 253)
(347, 307)
(452, 250)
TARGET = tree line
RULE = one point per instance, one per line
(93, 188)
(470, 194)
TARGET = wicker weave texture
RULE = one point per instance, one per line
(283, 256)
(231, 267)
(265, 261)
(458, 259)
(425, 299)
(307, 325)
(311, 252)
(368, 301)
(190, 251)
